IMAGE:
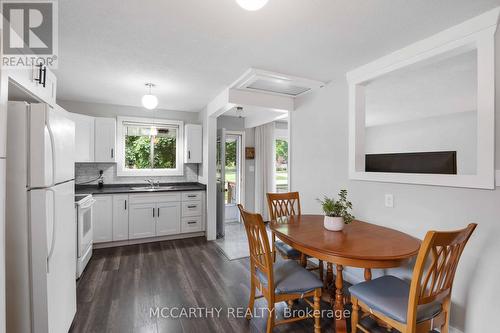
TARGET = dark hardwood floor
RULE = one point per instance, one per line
(121, 285)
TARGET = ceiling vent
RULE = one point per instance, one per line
(276, 83)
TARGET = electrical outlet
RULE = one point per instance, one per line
(389, 201)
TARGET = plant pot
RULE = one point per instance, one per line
(334, 223)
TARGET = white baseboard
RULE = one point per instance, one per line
(147, 240)
(455, 330)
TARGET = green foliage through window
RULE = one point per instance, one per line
(151, 152)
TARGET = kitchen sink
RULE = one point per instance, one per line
(151, 189)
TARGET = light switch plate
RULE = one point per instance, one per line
(251, 168)
(389, 201)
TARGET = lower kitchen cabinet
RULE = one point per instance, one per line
(168, 219)
(142, 218)
(120, 217)
(103, 218)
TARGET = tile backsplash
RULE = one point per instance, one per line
(88, 171)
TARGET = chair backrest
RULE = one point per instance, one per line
(435, 267)
(283, 204)
(258, 243)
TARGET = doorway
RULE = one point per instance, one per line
(230, 178)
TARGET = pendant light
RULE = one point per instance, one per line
(150, 101)
(252, 5)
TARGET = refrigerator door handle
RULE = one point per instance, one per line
(53, 148)
(53, 238)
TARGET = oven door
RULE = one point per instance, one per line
(85, 233)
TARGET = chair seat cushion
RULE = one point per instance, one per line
(291, 278)
(389, 296)
(287, 250)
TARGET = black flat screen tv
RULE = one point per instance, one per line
(436, 162)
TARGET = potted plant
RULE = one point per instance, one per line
(337, 212)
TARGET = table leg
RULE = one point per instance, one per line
(368, 274)
(340, 322)
(329, 275)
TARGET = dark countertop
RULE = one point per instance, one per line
(137, 188)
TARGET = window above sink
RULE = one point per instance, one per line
(149, 147)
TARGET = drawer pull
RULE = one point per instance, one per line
(192, 206)
(192, 196)
(192, 222)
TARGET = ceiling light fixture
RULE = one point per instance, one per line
(149, 101)
(239, 111)
(252, 5)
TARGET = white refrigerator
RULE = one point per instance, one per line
(40, 220)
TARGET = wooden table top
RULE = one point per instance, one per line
(360, 244)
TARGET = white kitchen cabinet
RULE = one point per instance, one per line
(103, 218)
(105, 139)
(191, 208)
(120, 217)
(193, 142)
(40, 82)
(191, 224)
(168, 218)
(142, 220)
(84, 137)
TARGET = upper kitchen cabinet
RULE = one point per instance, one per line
(38, 80)
(105, 139)
(193, 142)
(84, 137)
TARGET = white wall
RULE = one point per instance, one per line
(452, 132)
(89, 171)
(320, 166)
(112, 110)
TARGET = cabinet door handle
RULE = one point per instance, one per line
(112, 153)
(191, 222)
(158, 212)
(153, 212)
(125, 204)
(44, 71)
(189, 154)
(192, 206)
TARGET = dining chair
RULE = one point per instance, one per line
(415, 307)
(277, 282)
(287, 204)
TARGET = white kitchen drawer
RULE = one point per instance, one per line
(191, 196)
(191, 224)
(191, 208)
(156, 198)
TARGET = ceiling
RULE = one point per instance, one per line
(192, 49)
(438, 87)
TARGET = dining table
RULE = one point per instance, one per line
(359, 244)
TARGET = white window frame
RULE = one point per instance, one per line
(477, 33)
(121, 171)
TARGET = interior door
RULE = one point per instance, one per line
(168, 218)
(221, 184)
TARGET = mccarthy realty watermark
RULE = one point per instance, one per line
(240, 312)
(29, 33)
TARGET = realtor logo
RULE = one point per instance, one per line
(29, 33)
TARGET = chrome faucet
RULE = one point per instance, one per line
(150, 182)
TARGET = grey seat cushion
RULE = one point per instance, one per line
(291, 278)
(389, 296)
(287, 250)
